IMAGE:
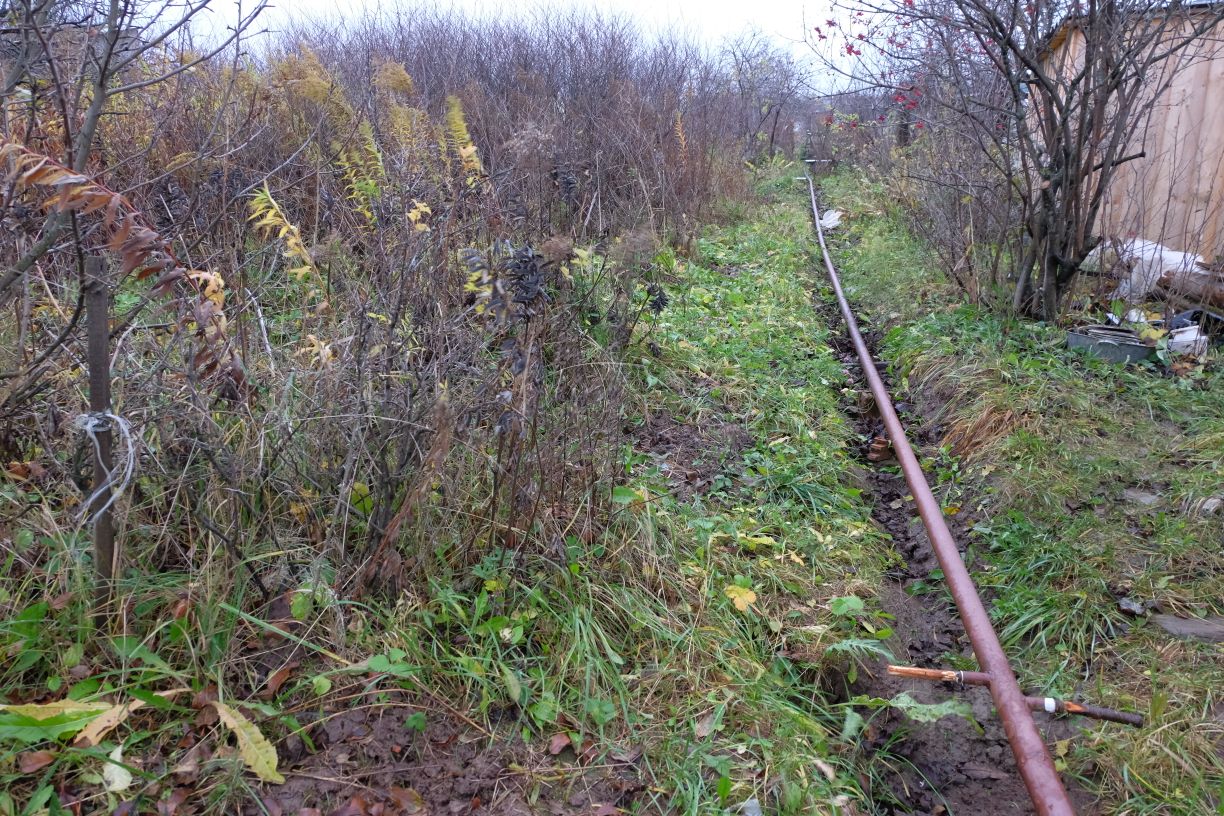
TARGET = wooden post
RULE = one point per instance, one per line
(97, 315)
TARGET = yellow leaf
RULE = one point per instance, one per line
(1150, 334)
(45, 711)
(258, 754)
(742, 597)
(113, 717)
(105, 722)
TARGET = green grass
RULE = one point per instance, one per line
(1047, 440)
(741, 344)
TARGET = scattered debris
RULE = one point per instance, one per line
(1208, 629)
(1133, 607)
(1210, 322)
(1188, 340)
(1205, 507)
(1205, 283)
(1141, 497)
(1142, 265)
(750, 807)
(1113, 343)
(831, 219)
(880, 450)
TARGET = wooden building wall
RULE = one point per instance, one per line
(1174, 195)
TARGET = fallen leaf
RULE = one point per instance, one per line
(170, 805)
(187, 771)
(47, 721)
(204, 697)
(357, 806)
(61, 601)
(589, 753)
(277, 679)
(114, 716)
(32, 761)
(742, 597)
(627, 755)
(203, 700)
(707, 725)
(826, 769)
(407, 800)
(558, 743)
(258, 754)
(180, 609)
(105, 722)
(605, 809)
(115, 777)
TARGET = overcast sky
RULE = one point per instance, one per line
(710, 20)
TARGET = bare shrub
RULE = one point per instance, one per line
(353, 220)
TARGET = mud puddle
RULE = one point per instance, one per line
(953, 766)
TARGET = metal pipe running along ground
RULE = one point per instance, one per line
(1032, 758)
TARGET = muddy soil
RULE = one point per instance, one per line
(692, 454)
(952, 766)
(364, 760)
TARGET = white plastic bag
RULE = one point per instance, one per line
(1145, 264)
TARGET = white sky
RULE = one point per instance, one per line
(709, 20)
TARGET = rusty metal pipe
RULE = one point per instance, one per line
(1053, 705)
(1032, 758)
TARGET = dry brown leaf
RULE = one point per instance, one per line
(407, 800)
(170, 805)
(180, 609)
(630, 754)
(113, 717)
(31, 761)
(558, 743)
(357, 806)
(825, 768)
(105, 722)
(277, 679)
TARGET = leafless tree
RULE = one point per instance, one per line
(1053, 95)
(767, 84)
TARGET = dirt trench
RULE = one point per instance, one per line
(950, 767)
